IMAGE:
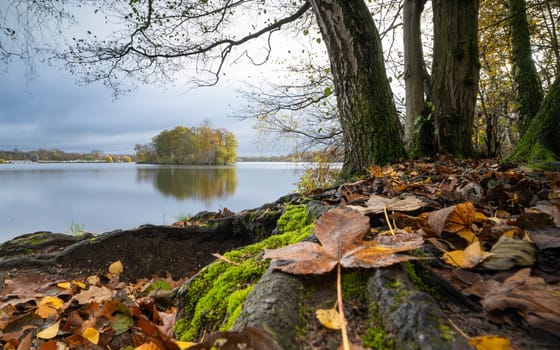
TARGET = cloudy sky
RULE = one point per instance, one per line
(51, 111)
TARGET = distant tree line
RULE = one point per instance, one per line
(56, 155)
(183, 145)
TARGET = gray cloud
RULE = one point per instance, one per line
(51, 111)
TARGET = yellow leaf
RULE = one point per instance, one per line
(116, 267)
(81, 285)
(185, 344)
(54, 301)
(468, 258)
(49, 332)
(490, 342)
(91, 334)
(328, 318)
(64, 285)
(48, 306)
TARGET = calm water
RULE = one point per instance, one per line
(105, 197)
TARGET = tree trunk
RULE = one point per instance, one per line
(368, 117)
(528, 88)
(455, 75)
(541, 141)
(413, 68)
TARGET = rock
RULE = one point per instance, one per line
(413, 316)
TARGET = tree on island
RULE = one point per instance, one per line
(182, 145)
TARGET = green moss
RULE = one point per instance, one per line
(235, 304)
(416, 276)
(214, 298)
(157, 285)
(446, 332)
(33, 240)
(375, 337)
(353, 285)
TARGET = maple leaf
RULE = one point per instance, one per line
(341, 233)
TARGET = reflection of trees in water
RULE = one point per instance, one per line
(197, 182)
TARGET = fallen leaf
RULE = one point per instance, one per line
(185, 344)
(247, 338)
(468, 258)
(49, 345)
(532, 297)
(122, 323)
(116, 268)
(148, 346)
(26, 342)
(341, 232)
(91, 334)
(49, 332)
(457, 219)
(509, 252)
(377, 204)
(490, 342)
(328, 318)
(94, 294)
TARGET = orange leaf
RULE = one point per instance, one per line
(490, 342)
(468, 258)
(148, 346)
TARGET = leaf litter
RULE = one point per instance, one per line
(495, 230)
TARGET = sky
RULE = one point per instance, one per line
(51, 111)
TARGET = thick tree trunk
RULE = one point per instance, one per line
(368, 117)
(528, 88)
(541, 141)
(455, 75)
(413, 68)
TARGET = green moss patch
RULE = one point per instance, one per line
(214, 297)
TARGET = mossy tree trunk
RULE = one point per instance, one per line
(368, 117)
(455, 75)
(528, 88)
(541, 141)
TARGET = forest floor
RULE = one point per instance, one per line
(492, 229)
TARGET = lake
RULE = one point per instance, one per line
(103, 197)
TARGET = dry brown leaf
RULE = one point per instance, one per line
(377, 204)
(490, 342)
(457, 219)
(247, 338)
(94, 294)
(341, 232)
(532, 297)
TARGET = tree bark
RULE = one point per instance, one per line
(368, 117)
(455, 75)
(413, 68)
(541, 141)
(528, 88)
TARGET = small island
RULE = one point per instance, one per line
(182, 145)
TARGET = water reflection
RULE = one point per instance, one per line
(203, 183)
